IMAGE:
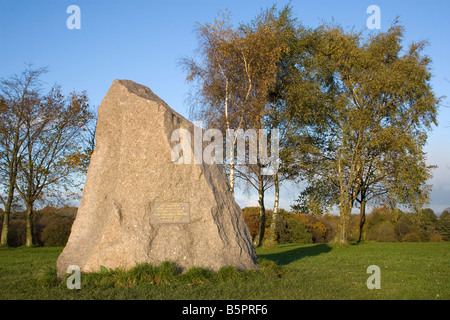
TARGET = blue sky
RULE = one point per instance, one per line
(144, 40)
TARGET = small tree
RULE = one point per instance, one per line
(53, 155)
(40, 139)
(16, 94)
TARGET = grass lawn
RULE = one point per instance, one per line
(290, 271)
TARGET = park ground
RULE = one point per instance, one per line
(419, 271)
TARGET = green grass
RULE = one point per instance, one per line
(291, 271)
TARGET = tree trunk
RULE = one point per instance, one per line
(6, 216)
(345, 211)
(5, 227)
(262, 212)
(273, 225)
(230, 144)
(232, 173)
(12, 183)
(362, 218)
(30, 219)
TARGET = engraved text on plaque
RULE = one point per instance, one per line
(170, 212)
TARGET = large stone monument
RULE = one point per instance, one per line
(141, 207)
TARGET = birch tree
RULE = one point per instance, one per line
(220, 83)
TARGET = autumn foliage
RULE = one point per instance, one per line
(383, 225)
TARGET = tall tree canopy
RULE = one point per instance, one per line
(41, 139)
(237, 71)
(354, 109)
(378, 105)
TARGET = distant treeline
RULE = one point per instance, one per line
(382, 224)
(51, 227)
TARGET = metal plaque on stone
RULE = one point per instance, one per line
(170, 212)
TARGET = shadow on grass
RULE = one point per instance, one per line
(288, 256)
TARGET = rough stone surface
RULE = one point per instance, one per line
(131, 178)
